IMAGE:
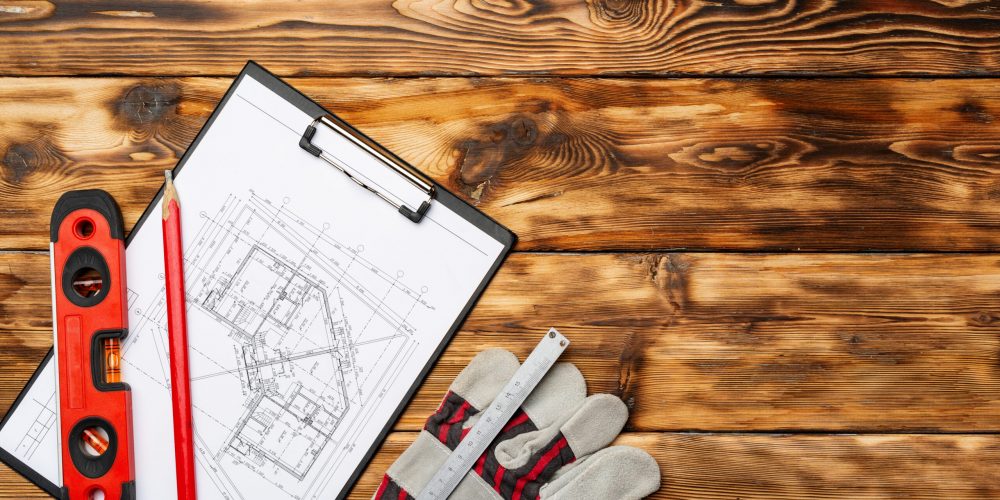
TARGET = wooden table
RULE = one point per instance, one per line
(772, 227)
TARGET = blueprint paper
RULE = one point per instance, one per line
(312, 307)
(27, 436)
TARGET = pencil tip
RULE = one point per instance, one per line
(169, 193)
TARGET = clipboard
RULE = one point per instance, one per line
(426, 207)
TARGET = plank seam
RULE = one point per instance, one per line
(528, 76)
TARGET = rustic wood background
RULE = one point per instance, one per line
(771, 226)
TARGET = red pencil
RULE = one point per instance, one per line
(180, 381)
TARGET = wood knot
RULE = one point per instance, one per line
(620, 12)
(143, 105)
(508, 8)
(984, 318)
(630, 363)
(670, 274)
(523, 131)
(480, 160)
(19, 161)
(974, 112)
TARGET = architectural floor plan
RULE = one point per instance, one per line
(304, 328)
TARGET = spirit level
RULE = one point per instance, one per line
(90, 318)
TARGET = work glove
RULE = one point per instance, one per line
(553, 448)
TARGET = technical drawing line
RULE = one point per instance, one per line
(265, 279)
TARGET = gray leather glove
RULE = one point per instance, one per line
(552, 448)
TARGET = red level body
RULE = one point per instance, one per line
(90, 320)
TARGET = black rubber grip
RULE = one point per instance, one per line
(94, 199)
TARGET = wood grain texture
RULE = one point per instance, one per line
(772, 467)
(792, 467)
(590, 164)
(487, 37)
(723, 467)
(16, 487)
(714, 342)
(724, 343)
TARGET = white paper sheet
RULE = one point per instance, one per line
(312, 307)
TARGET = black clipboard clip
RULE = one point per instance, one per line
(409, 173)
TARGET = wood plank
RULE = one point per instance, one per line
(726, 467)
(419, 37)
(16, 487)
(749, 466)
(595, 164)
(820, 342)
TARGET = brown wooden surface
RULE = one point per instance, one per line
(488, 37)
(715, 342)
(881, 371)
(579, 163)
(768, 466)
(791, 467)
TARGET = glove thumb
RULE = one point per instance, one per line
(620, 472)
